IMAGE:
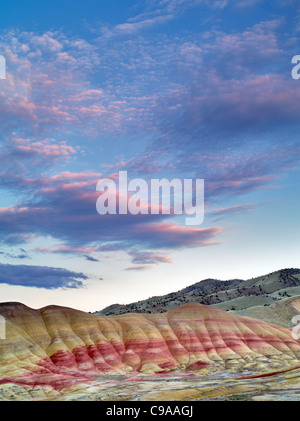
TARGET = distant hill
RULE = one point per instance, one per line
(236, 295)
(280, 312)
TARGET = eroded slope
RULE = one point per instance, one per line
(57, 347)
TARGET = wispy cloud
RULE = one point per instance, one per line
(218, 214)
(90, 258)
(20, 254)
(148, 257)
(133, 28)
(138, 268)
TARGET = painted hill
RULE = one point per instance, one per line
(232, 295)
(57, 347)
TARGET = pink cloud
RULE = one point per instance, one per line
(232, 210)
(67, 175)
(61, 248)
(45, 149)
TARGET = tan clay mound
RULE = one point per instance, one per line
(57, 347)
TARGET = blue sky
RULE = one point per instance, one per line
(161, 89)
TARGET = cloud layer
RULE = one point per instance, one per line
(153, 95)
(40, 277)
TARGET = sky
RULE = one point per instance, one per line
(162, 89)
